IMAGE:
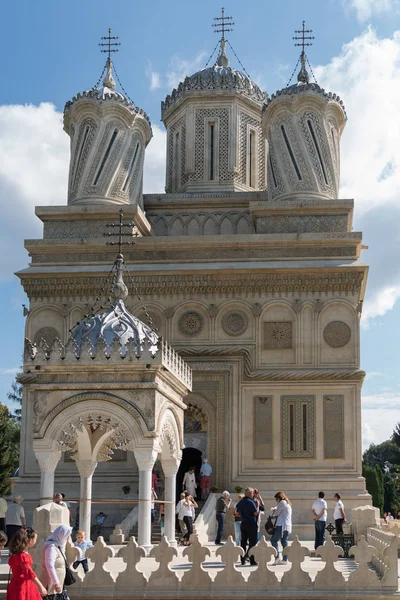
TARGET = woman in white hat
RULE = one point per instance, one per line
(15, 517)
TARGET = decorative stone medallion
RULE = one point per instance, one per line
(191, 323)
(49, 334)
(235, 322)
(278, 334)
(337, 334)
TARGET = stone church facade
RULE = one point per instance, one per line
(248, 266)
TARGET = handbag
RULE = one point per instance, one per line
(69, 576)
(270, 526)
(60, 596)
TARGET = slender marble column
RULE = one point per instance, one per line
(47, 462)
(86, 469)
(170, 468)
(145, 459)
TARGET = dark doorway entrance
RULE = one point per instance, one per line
(191, 457)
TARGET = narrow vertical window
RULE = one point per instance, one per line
(106, 155)
(289, 148)
(304, 427)
(321, 162)
(291, 427)
(252, 159)
(177, 161)
(273, 172)
(212, 150)
(81, 150)
(131, 167)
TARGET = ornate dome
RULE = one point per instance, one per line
(219, 77)
(106, 92)
(116, 324)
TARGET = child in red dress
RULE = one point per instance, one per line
(24, 584)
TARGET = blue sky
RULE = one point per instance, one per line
(50, 52)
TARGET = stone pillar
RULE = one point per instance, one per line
(145, 459)
(86, 469)
(170, 468)
(47, 462)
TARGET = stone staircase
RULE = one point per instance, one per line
(156, 529)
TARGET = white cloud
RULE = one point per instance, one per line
(379, 303)
(365, 9)
(380, 414)
(34, 152)
(178, 69)
(12, 371)
(155, 80)
(33, 170)
(366, 75)
(154, 166)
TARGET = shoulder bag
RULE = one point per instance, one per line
(69, 576)
(270, 526)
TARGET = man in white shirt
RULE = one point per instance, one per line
(339, 515)
(320, 511)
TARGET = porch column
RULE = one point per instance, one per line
(170, 468)
(145, 459)
(47, 462)
(86, 469)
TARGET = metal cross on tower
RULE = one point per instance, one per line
(120, 233)
(222, 22)
(303, 37)
(109, 44)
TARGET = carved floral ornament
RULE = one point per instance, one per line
(278, 334)
(235, 322)
(191, 323)
(337, 334)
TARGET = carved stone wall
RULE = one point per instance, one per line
(212, 113)
(298, 450)
(191, 323)
(301, 224)
(334, 426)
(278, 334)
(246, 120)
(235, 322)
(201, 223)
(337, 334)
(263, 427)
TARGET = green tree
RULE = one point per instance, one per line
(15, 395)
(384, 455)
(375, 485)
(9, 448)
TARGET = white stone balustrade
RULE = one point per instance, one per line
(71, 354)
(203, 577)
(385, 559)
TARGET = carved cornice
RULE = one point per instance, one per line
(315, 374)
(223, 285)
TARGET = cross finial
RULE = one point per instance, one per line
(109, 45)
(303, 37)
(221, 26)
(121, 234)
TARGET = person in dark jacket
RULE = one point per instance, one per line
(249, 508)
(223, 503)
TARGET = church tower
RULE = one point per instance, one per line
(214, 135)
(109, 135)
(303, 124)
